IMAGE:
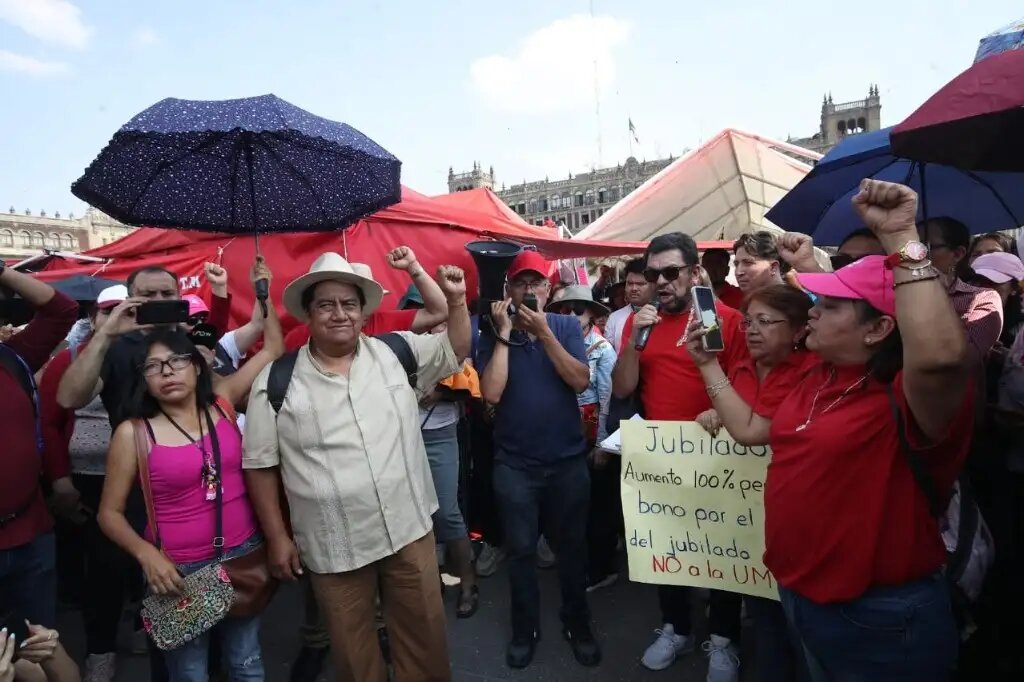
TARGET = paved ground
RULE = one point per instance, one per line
(624, 617)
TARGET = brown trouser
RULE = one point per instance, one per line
(413, 610)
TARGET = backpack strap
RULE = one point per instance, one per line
(936, 504)
(20, 370)
(403, 351)
(281, 371)
(970, 520)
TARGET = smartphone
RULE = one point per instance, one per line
(530, 301)
(162, 312)
(704, 306)
(15, 624)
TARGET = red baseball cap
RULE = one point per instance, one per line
(529, 260)
(864, 280)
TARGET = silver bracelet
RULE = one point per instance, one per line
(717, 387)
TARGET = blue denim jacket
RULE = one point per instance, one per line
(601, 357)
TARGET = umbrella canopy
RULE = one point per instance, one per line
(83, 288)
(257, 164)
(1010, 37)
(975, 121)
(820, 204)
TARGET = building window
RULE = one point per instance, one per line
(6, 238)
(522, 209)
(602, 195)
(51, 241)
(566, 201)
(24, 239)
(37, 240)
(67, 242)
(533, 206)
(585, 219)
(589, 200)
(579, 199)
(613, 194)
(544, 204)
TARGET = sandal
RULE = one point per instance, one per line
(468, 605)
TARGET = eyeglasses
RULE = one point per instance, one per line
(151, 368)
(572, 308)
(534, 285)
(670, 273)
(758, 323)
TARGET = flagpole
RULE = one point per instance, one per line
(629, 133)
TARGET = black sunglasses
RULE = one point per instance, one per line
(670, 273)
(576, 308)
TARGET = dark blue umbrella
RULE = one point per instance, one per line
(253, 165)
(820, 205)
(83, 288)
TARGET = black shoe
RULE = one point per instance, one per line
(309, 664)
(584, 647)
(519, 653)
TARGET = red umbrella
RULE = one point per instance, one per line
(975, 122)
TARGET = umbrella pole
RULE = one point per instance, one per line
(924, 195)
(262, 286)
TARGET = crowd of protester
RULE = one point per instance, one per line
(368, 452)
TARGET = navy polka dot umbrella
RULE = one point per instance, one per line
(253, 165)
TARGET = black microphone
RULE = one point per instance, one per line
(645, 333)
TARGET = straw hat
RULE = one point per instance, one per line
(331, 267)
(364, 270)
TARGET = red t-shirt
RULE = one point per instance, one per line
(379, 322)
(843, 512)
(671, 387)
(730, 294)
(765, 397)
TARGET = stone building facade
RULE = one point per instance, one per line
(840, 120)
(23, 234)
(576, 201)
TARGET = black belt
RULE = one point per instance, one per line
(8, 518)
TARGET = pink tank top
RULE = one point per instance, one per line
(185, 516)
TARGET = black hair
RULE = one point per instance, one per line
(307, 294)
(887, 359)
(954, 233)
(717, 252)
(997, 237)
(141, 404)
(674, 241)
(635, 267)
(150, 270)
(763, 245)
(862, 232)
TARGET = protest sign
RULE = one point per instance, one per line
(694, 508)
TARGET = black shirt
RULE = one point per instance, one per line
(120, 372)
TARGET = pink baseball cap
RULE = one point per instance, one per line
(529, 260)
(999, 267)
(864, 280)
(196, 305)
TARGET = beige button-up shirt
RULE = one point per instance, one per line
(350, 450)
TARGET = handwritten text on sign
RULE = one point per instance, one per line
(694, 508)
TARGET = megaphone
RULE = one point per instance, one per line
(493, 259)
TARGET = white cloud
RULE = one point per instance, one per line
(553, 69)
(144, 36)
(18, 63)
(57, 22)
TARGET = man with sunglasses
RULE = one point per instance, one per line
(532, 367)
(671, 389)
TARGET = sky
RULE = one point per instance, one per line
(536, 88)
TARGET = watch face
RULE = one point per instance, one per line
(915, 251)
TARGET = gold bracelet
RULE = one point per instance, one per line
(914, 281)
(716, 388)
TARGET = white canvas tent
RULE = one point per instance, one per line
(716, 192)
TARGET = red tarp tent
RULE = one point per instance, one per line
(437, 229)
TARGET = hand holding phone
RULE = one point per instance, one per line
(706, 312)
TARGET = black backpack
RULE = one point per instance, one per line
(281, 370)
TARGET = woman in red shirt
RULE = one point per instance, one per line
(775, 322)
(849, 535)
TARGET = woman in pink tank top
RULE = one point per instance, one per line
(176, 400)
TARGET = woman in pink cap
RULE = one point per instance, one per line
(850, 533)
(1003, 273)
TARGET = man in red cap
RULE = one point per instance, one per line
(532, 367)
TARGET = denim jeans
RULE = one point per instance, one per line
(239, 639)
(555, 496)
(28, 580)
(890, 634)
(442, 447)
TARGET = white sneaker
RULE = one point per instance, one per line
(666, 648)
(100, 668)
(723, 660)
(545, 557)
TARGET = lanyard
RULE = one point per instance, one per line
(208, 474)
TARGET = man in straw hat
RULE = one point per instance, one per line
(346, 445)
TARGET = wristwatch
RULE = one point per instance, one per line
(910, 254)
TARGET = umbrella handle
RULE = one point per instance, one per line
(262, 293)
